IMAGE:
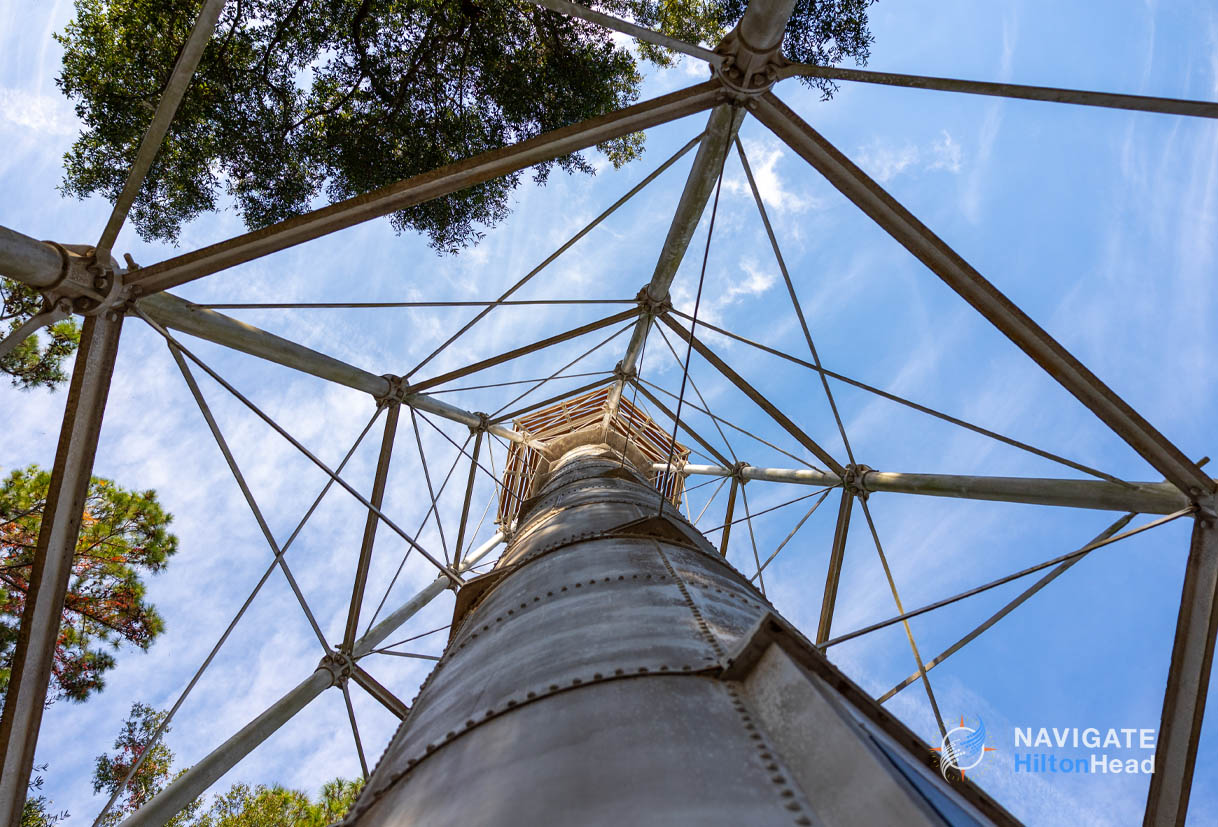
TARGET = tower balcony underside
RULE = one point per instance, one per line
(588, 419)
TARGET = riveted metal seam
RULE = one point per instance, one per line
(536, 602)
(790, 795)
(689, 601)
(471, 724)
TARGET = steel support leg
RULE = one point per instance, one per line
(192, 783)
(1188, 679)
(836, 556)
(721, 127)
(469, 495)
(727, 518)
(35, 651)
(1000, 311)
(374, 688)
(28, 260)
(365, 549)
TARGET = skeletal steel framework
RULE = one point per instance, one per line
(88, 281)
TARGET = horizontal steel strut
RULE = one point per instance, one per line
(1143, 497)
(179, 314)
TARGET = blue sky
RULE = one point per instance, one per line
(1101, 224)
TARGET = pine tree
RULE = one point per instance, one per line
(153, 773)
(123, 536)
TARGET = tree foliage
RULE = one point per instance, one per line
(39, 359)
(299, 98)
(299, 101)
(276, 806)
(123, 536)
(241, 806)
(154, 772)
(38, 809)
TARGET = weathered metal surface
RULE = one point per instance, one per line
(837, 555)
(583, 682)
(519, 770)
(1142, 497)
(28, 260)
(36, 638)
(856, 762)
(1188, 679)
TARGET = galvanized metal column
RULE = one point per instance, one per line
(28, 260)
(613, 669)
(762, 28)
(837, 555)
(721, 127)
(1188, 679)
(32, 659)
(178, 314)
(727, 516)
(1141, 497)
(370, 524)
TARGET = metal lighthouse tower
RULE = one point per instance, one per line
(612, 667)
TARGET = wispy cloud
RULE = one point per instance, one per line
(37, 113)
(885, 161)
(764, 157)
(978, 181)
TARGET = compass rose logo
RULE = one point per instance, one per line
(962, 747)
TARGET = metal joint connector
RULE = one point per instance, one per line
(650, 305)
(339, 665)
(746, 70)
(399, 389)
(508, 532)
(90, 286)
(484, 422)
(65, 267)
(623, 375)
(738, 472)
(1207, 510)
(855, 480)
